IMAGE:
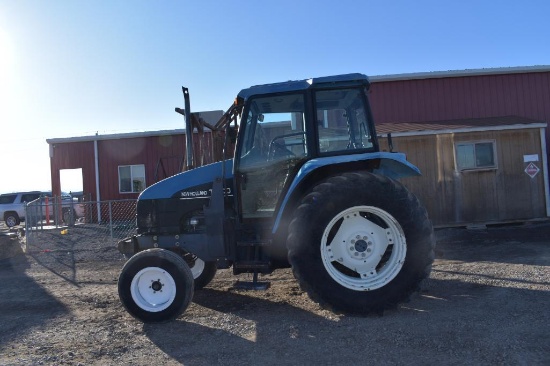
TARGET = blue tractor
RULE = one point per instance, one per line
(307, 187)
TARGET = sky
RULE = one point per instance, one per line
(73, 68)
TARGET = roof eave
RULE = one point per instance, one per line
(460, 73)
(115, 136)
(465, 130)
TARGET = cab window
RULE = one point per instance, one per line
(275, 129)
(342, 120)
(274, 143)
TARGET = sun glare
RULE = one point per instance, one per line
(6, 56)
(7, 76)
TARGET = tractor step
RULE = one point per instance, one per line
(252, 243)
(260, 266)
(252, 285)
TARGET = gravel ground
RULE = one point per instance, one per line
(486, 302)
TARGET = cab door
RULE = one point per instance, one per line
(273, 144)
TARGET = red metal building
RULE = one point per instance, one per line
(468, 94)
(119, 166)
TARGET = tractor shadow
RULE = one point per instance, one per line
(272, 330)
(236, 329)
(451, 313)
(514, 244)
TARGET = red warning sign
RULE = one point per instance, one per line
(532, 170)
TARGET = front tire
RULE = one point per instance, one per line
(155, 285)
(360, 243)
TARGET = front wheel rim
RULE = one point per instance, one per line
(363, 248)
(153, 289)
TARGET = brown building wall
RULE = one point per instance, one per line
(476, 196)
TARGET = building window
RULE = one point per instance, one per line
(476, 155)
(131, 178)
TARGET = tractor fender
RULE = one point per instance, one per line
(393, 165)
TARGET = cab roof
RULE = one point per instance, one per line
(296, 85)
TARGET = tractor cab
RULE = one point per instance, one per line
(280, 131)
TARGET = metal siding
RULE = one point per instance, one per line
(405, 104)
(72, 156)
(525, 95)
(455, 97)
(536, 106)
(440, 90)
(117, 152)
(112, 153)
(521, 85)
(507, 100)
(446, 97)
(478, 95)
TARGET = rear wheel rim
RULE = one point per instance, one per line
(153, 289)
(363, 248)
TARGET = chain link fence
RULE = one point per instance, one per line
(105, 221)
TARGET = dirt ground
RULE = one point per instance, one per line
(486, 302)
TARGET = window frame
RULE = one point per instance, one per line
(248, 126)
(368, 121)
(131, 166)
(473, 143)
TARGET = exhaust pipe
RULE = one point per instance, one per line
(190, 164)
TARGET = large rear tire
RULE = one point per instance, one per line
(155, 285)
(360, 243)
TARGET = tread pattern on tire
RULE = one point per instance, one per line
(169, 261)
(207, 275)
(330, 197)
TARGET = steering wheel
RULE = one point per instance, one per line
(280, 150)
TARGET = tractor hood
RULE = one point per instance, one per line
(191, 183)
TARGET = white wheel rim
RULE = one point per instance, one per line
(198, 268)
(363, 248)
(153, 289)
